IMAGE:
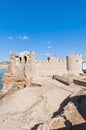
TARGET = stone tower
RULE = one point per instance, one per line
(30, 65)
(74, 64)
(23, 65)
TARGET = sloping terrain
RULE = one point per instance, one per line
(33, 108)
(71, 116)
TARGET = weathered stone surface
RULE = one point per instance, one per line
(57, 123)
(46, 127)
(9, 79)
(9, 68)
(72, 117)
(28, 81)
(20, 84)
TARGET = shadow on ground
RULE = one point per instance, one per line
(80, 103)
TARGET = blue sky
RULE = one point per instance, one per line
(45, 26)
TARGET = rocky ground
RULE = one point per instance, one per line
(51, 106)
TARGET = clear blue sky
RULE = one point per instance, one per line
(45, 26)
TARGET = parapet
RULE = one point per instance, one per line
(52, 58)
(77, 55)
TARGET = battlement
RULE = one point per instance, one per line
(51, 59)
(42, 61)
(77, 55)
(46, 61)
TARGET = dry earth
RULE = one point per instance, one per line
(32, 108)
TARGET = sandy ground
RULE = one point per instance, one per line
(24, 108)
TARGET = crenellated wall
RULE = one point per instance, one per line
(25, 65)
(46, 68)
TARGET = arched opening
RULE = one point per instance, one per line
(48, 58)
(20, 59)
(25, 58)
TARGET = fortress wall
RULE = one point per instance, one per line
(50, 68)
(25, 65)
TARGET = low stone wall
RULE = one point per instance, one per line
(79, 82)
(61, 79)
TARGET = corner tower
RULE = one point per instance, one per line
(74, 64)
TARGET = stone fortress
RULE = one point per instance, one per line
(43, 95)
(24, 67)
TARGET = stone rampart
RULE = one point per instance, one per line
(26, 65)
(45, 68)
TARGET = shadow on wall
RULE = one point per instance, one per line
(80, 103)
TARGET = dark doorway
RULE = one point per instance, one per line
(20, 59)
(25, 58)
